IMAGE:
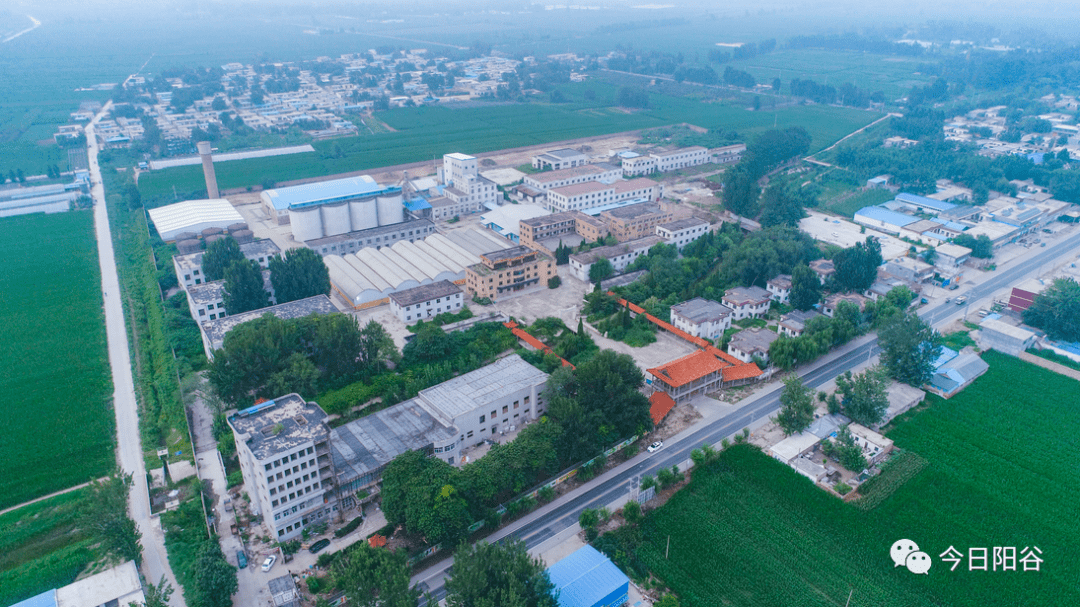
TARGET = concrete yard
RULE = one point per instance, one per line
(845, 233)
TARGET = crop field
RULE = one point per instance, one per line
(41, 547)
(750, 531)
(848, 203)
(429, 132)
(56, 384)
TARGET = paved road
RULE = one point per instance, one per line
(614, 487)
(129, 444)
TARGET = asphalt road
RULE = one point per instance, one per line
(617, 483)
(129, 452)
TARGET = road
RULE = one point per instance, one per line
(614, 487)
(36, 24)
(129, 444)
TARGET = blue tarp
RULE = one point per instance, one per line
(587, 578)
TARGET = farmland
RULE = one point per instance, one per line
(429, 132)
(59, 424)
(750, 531)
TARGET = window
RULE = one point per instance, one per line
(268, 467)
(484, 418)
(507, 407)
(280, 532)
(288, 472)
(292, 457)
(202, 312)
(469, 435)
(310, 450)
(273, 491)
(526, 400)
(274, 503)
(493, 414)
(277, 476)
(277, 464)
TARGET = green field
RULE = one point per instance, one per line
(848, 203)
(41, 547)
(56, 383)
(429, 132)
(750, 531)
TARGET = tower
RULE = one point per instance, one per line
(208, 170)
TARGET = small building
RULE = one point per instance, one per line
(793, 324)
(748, 344)
(686, 377)
(951, 256)
(792, 447)
(824, 268)
(829, 307)
(702, 318)
(955, 371)
(507, 271)
(780, 288)
(426, 301)
(901, 398)
(728, 153)
(213, 331)
(587, 578)
(506, 220)
(620, 256)
(672, 159)
(747, 302)
(883, 219)
(283, 592)
(635, 220)
(193, 216)
(1023, 294)
(1003, 337)
(660, 404)
(922, 204)
(118, 586)
(562, 158)
(909, 269)
(880, 182)
(638, 165)
(874, 446)
(682, 232)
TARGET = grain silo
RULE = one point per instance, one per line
(364, 214)
(243, 236)
(391, 209)
(306, 223)
(188, 246)
(335, 218)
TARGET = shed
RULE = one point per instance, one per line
(193, 216)
(793, 446)
(1004, 337)
(587, 578)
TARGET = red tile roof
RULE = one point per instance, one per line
(660, 404)
(741, 371)
(532, 341)
(691, 367)
(377, 541)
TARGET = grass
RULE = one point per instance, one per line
(958, 340)
(750, 531)
(41, 547)
(60, 427)
(847, 204)
(1052, 356)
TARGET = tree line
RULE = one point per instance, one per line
(767, 151)
(300, 274)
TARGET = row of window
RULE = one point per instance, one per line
(288, 484)
(290, 458)
(295, 494)
(437, 300)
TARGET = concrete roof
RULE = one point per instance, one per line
(296, 423)
(508, 216)
(592, 255)
(207, 292)
(586, 187)
(563, 153)
(699, 310)
(952, 250)
(633, 211)
(753, 340)
(215, 330)
(569, 173)
(1006, 329)
(682, 224)
(746, 295)
(477, 389)
(633, 184)
(408, 224)
(435, 290)
(193, 216)
(790, 448)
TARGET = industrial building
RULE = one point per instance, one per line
(207, 301)
(701, 317)
(635, 221)
(118, 586)
(587, 578)
(284, 451)
(331, 208)
(426, 301)
(378, 237)
(192, 217)
(465, 187)
(571, 228)
(603, 172)
(368, 277)
(620, 255)
(668, 159)
(507, 271)
(1003, 337)
(54, 198)
(189, 267)
(506, 220)
(562, 158)
(591, 194)
(682, 232)
(213, 331)
(442, 421)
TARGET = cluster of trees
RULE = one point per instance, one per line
(846, 94)
(300, 274)
(270, 356)
(207, 579)
(574, 346)
(767, 151)
(630, 96)
(1057, 311)
(589, 409)
(739, 78)
(981, 246)
(863, 396)
(844, 449)
(746, 51)
(909, 347)
(701, 73)
(856, 267)
(783, 203)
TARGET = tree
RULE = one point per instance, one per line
(374, 577)
(219, 254)
(499, 575)
(215, 578)
(105, 517)
(847, 452)
(600, 270)
(422, 494)
(741, 192)
(909, 348)
(610, 383)
(632, 512)
(1057, 310)
(865, 397)
(782, 205)
(156, 595)
(244, 287)
(856, 267)
(796, 406)
(301, 274)
(805, 288)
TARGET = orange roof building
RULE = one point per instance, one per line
(660, 404)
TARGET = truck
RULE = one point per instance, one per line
(241, 559)
(961, 300)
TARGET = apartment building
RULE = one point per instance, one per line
(426, 301)
(702, 317)
(635, 221)
(501, 273)
(465, 188)
(747, 302)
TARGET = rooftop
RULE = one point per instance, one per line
(592, 255)
(689, 368)
(511, 253)
(215, 330)
(753, 340)
(283, 591)
(823, 266)
(886, 216)
(682, 224)
(207, 292)
(326, 191)
(479, 388)
(662, 151)
(563, 153)
(634, 211)
(660, 404)
(259, 248)
(408, 224)
(586, 187)
(699, 310)
(460, 156)
(952, 250)
(783, 281)
(423, 293)
(741, 296)
(922, 201)
(797, 319)
(185, 216)
(633, 184)
(585, 578)
(570, 173)
(279, 425)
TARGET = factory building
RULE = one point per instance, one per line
(411, 230)
(602, 172)
(620, 255)
(583, 196)
(682, 232)
(587, 578)
(465, 189)
(332, 208)
(507, 271)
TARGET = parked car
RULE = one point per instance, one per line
(241, 559)
(319, 545)
(228, 504)
(269, 562)
(954, 286)
(656, 446)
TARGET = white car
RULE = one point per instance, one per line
(269, 562)
(656, 446)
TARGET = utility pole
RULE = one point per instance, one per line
(668, 549)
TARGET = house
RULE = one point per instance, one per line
(780, 287)
(954, 371)
(875, 447)
(881, 288)
(587, 578)
(1003, 337)
(901, 398)
(793, 323)
(794, 446)
(950, 256)
(283, 592)
(702, 317)
(829, 307)
(748, 344)
(426, 301)
(117, 586)
(747, 302)
(910, 270)
(824, 268)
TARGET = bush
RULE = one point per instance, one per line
(313, 584)
(235, 479)
(350, 527)
(546, 494)
(589, 518)
(842, 488)
(591, 534)
(325, 559)
(632, 512)
(290, 547)
(554, 282)
(647, 481)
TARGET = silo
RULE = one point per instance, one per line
(391, 210)
(236, 227)
(335, 218)
(188, 246)
(211, 231)
(211, 239)
(243, 236)
(306, 223)
(364, 214)
(186, 236)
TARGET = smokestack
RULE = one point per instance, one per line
(208, 170)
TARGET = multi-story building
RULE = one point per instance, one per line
(411, 230)
(603, 172)
(831, 302)
(563, 158)
(780, 288)
(582, 196)
(824, 268)
(214, 331)
(747, 302)
(543, 233)
(728, 153)
(207, 301)
(682, 232)
(637, 164)
(679, 158)
(620, 255)
(793, 323)
(465, 188)
(284, 451)
(701, 318)
(635, 221)
(748, 344)
(189, 267)
(507, 271)
(426, 301)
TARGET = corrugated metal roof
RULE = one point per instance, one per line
(585, 578)
(479, 388)
(192, 216)
(326, 191)
(922, 201)
(887, 216)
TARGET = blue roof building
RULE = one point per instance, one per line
(45, 599)
(883, 219)
(587, 578)
(923, 204)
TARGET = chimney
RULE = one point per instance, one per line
(208, 170)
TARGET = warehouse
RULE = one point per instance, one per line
(330, 208)
(193, 216)
(368, 277)
(587, 578)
